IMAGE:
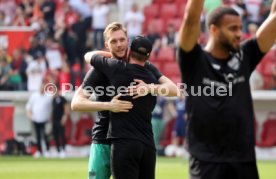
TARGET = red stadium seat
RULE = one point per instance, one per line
(268, 82)
(171, 69)
(270, 56)
(161, 2)
(166, 54)
(158, 65)
(181, 9)
(268, 68)
(151, 11)
(268, 134)
(168, 11)
(64, 78)
(159, 24)
(176, 79)
(180, 2)
(175, 21)
(83, 131)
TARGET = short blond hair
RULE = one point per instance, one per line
(112, 27)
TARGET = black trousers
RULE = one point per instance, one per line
(40, 132)
(224, 170)
(59, 136)
(132, 159)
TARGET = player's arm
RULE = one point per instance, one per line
(81, 102)
(88, 56)
(190, 27)
(100, 61)
(266, 34)
(164, 82)
(165, 88)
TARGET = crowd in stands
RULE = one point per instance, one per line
(163, 18)
(65, 29)
(61, 37)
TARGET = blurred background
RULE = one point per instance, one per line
(45, 40)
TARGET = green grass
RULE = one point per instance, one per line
(76, 168)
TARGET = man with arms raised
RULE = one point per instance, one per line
(220, 127)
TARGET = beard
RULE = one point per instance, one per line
(230, 47)
(226, 43)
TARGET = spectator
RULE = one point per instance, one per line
(3, 19)
(35, 71)
(81, 7)
(252, 29)
(265, 9)
(19, 18)
(39, 116)
(100, 15)
(35, 47)
(15, 77)
(240, 7)
(80, 28)
(134, 21)
(60, 115)
(48, 8)
(180, 123)
(26, 59)
(155, 38)
(169, 39)
(4, 73)
(158, 122)
(253, 8)
(53, 54)
(8, 7)
(123, 7)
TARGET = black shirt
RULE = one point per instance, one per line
(97, 81)
(93, 79)
(220, 128)
(135, 124)
(58, 108)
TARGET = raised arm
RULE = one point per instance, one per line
(190, 27)
(266, 34)
(81, 102)
(89, 55)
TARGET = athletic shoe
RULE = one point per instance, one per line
(37, 154)
(62, 154)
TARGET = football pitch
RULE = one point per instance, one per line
(76, 168)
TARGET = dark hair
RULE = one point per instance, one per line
(215, 17)
(139, 56)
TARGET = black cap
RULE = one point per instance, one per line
(141, 45)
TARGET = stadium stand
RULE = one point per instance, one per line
(268, 136)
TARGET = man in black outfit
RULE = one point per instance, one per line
(220, 126)
(133, 152)
(116, 42)
(60, 115)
